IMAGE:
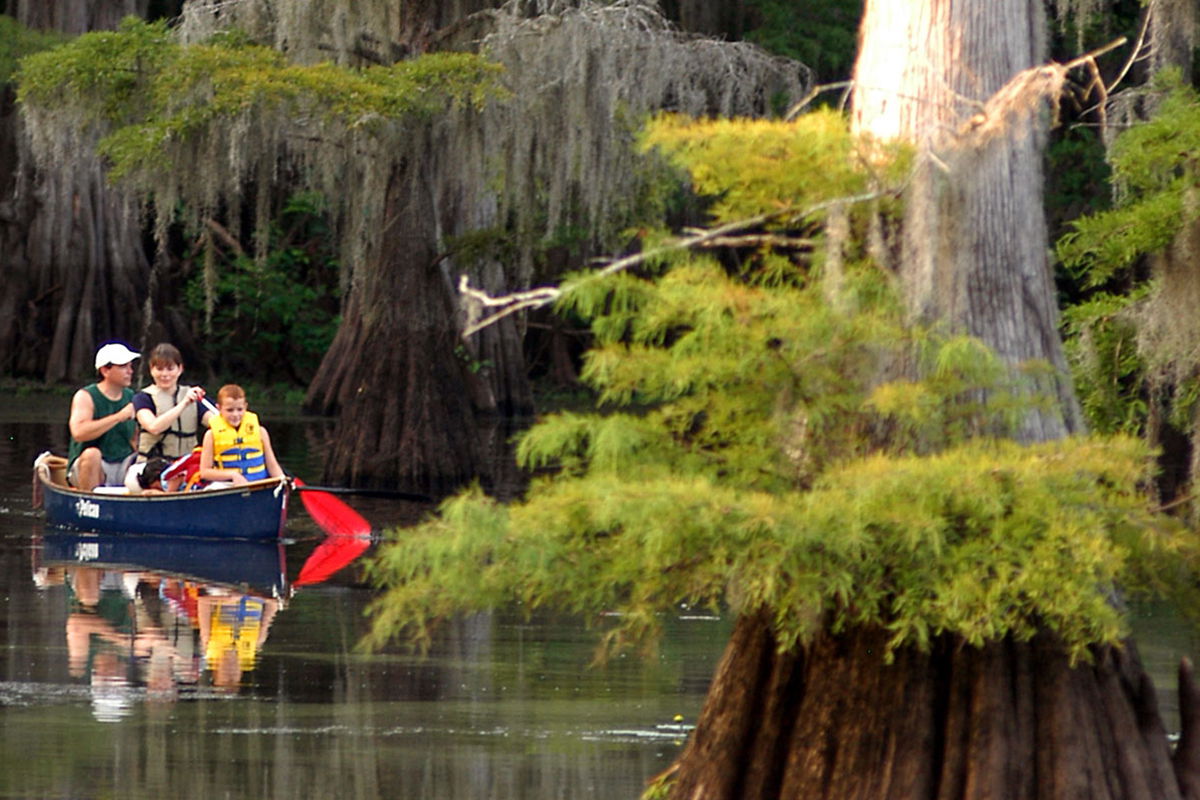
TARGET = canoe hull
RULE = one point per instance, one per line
(257, 510)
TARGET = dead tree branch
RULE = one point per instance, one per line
(483, 309)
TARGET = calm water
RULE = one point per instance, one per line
(110, 686)
(139, 670)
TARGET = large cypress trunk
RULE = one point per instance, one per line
(1013, 719)
(1009, 720)
(403, 400)
(71, 254)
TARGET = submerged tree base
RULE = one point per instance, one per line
(1012, 719)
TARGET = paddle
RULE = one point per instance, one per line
(335, 517)
(332, 515)
(330, 556)
(391, 493)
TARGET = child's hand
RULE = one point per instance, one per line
(239, 479)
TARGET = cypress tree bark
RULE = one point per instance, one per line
(404, 401)
(973, 249)
(71, 255)
(75, 16)
(1009, 720)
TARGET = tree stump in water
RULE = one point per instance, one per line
(1009, 720)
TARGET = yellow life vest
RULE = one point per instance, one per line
(239, 448)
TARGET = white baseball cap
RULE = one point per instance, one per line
(114, 353)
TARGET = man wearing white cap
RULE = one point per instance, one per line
(102, 422)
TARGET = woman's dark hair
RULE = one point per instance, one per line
(165, 354)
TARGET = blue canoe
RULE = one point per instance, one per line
(257, 510)
(257, 567)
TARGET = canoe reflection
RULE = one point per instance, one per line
(153, 617)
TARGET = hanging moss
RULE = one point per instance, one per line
(191, 127)
(190, 121)
(582, 78)
(312, 31)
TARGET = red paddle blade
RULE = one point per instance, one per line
(335, 517)
(330, 556)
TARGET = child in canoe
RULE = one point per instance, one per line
(236, 448)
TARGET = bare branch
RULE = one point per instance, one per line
(760, 240)
(800, 104)
(476, 300)
(1133, 56)
(222, 233)
(1025, 93)
(1092, 55)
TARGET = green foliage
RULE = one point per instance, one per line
(107, 74)
(749, 165)
(987, 540)
(1121, 345)
(1103, 244)
(752, 462)
(150, 90)
(212, 82)
(1101, 346)
(17, 41)
(822, 34)
(713, 371)
(273, 318)
(750, 452)
(1157, 171)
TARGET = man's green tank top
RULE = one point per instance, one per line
(114, 443)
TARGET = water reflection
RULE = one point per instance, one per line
(117, 643)
(502, 706)
(150, 618)
(233, 628)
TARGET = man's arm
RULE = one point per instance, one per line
(83, 427)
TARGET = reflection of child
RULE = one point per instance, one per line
(236, 448)
(232, 629)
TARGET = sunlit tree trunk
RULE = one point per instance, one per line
(1012, 719)
(974, 249)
